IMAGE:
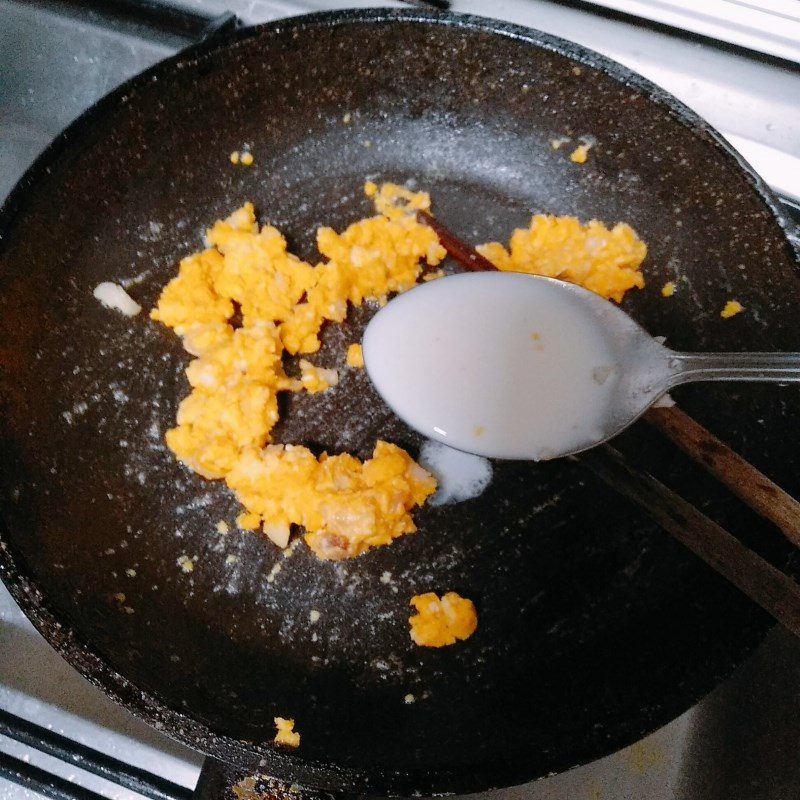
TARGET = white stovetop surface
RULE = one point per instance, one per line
(746, 729)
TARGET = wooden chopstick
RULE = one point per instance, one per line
(747, 482)
(467, 256)
(775, 592)
(767, 586)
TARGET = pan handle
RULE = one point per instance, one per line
(167, 18)
(223, 781)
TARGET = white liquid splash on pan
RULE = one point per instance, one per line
(461, 476)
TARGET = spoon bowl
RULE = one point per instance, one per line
(509, 365)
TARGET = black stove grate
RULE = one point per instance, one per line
(81, 757)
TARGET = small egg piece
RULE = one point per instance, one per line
(579, 154)
(186, 564)
(442, 621)
(317, 379)
(247, 159)
(668, 289)
(731, 309)
(433, 276)
(355, 356)
(286, 735)
(235, 157)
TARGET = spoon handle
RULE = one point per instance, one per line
(771, 367)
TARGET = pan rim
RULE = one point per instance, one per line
(147, 705)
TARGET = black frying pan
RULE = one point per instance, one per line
(595, 628)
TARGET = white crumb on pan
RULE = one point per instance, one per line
(461, 476)
(273, 573)
(112, 295)
(186, 564)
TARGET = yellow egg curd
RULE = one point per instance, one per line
(223, 426)
(442, 621)
(604, 260)
(286, 734)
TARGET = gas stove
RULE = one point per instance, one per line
(735, 63)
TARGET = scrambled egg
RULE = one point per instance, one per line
(668, 289)
(605, 261)
(441, 622)
(731, 309)
(286, 735)
(223, 426)
(345, 506)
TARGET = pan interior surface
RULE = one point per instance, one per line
(594, 626)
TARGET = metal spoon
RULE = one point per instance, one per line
(519, 366)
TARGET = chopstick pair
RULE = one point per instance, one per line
(775, 592)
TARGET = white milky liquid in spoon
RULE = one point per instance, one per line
(512, 368)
